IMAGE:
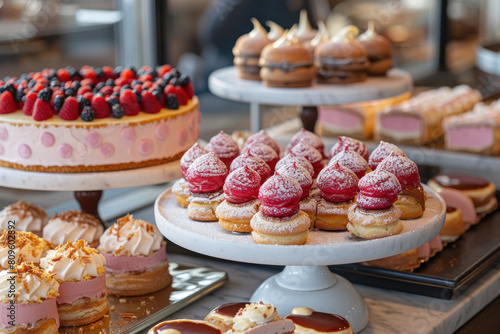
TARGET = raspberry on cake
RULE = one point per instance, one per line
(353, 144)
(374, 215)
(27, 248)
(136, 258)
(111, 121)
(28, 217)
(241, 190)
(73, 225)
(411, 199)
(205, 179)
(257, 164)
(352, 160)
(263, 151)
(338, 186)
(80, 272)
(279, 220)
(35, 308)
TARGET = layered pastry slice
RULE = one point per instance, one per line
(80, 271)
(136, 258)
(20, 247)
(23, 216)
(73, 225)
(31, 308)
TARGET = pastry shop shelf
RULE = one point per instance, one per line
(189, 284)
(226, 84)
(305, 280)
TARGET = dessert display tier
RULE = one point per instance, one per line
(305, 281)
(225, 83)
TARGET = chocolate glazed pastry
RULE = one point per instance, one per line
(185, 326)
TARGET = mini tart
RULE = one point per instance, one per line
(35, 309)
(73, 225)
(80, 272)
(28, 217)
(453, 226)
(286, 63)
(27, 247)
(373, 224)
(136, 258)
(291, 230)
(378, 49)
(181, 191)
(247, 51)
(222, 316)
(307, 321)
(181, 326)
(343, 59)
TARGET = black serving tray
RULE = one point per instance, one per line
(448, 273)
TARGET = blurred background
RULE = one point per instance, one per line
(435, 40)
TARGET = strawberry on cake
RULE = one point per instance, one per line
(96, 119)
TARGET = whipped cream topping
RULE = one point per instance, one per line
(254, 314)
(275, 32)
(304, 30)
(321, 36)
(27, 247)
(28, 217)
(73, 262)
(258, 30)
(132, 237)
(72, 225)
(347, 35)
(370, 33)
(32, 284)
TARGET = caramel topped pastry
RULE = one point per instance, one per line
(184, 326)
(308, 321)
(223, 316)
(27, 248)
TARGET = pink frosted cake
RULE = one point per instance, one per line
(476, 131)
(96, 119)
(419, 119)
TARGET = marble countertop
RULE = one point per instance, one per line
(390, 311)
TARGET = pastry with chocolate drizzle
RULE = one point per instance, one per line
(308, 321)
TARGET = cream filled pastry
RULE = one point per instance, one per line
(27, 248)
(32, 307)
(260, 318)
(304, 32)
(73, 225)
(275, 31)
(80, 271)
(378, 49)
(24, 216)
(223, 316)
(136, 258)
(308, 321)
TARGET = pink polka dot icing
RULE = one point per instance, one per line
(24, 151)
(2, 150)
(3, 133)
(128, 135)
(161, 131)
(193, 120)
(183, 136)
(65, 151)
(47, 139)
(107, 150)
(146, 146)
(93, 139)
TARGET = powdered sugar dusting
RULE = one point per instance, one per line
(300, 161)
(352, 160)
(352, 143)
(329, 208)
(303, 149)
(299, 174)
(337, 178)
(280, 189)
(309, 137)
(207, 198)
(381, 152)
(208, 165)
(257, 164)
(296, 223)
(372, 217)
(191, 155)
(181, 188)
(379, 182)
(237, 211)
(223, 145)
(263, 137)
(242, 185)
(308, 204)
(405, 170)
(263, 151)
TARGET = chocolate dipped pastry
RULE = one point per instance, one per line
(411, 199)
(184, 326)
(378, 49)
(223, 316)
(28, 217)
(479, 190)
(308, 321)
(343, 59)
(247, 51)
(286, 63)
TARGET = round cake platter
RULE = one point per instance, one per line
(306, 279)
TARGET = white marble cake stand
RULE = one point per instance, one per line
(306, 279)
(226, 84)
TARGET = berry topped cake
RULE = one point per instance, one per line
(96, 119)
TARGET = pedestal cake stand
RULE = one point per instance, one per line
(88, 187)
(306, 279)
(226, 84)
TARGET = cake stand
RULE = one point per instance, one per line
(226, 84)
(88, 187)
(306, 279)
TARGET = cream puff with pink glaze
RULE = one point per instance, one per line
(80, 272)
(136, 258)
(352, 160)
(27, 217)
(260, 318)
(28, 301)
(73, 225)
(27, 247)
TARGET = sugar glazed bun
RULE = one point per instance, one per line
(379, 50)
(343, 59)
(247, 51)
(286, 63)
